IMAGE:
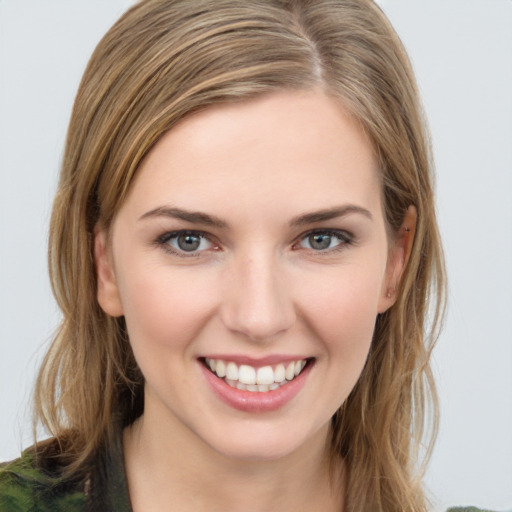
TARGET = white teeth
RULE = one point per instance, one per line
(232, 371)
(265, 375)
(279, 373)
(247, 374)
(220, 369)
(290, 371)
(248, 378)
(261, 388)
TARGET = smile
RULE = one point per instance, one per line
(248, 378)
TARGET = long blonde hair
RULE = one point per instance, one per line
(165, 59)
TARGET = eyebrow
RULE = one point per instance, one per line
(330, 213)
(195, 217)
(186, 215)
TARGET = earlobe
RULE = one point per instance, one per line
(398, 259)
(107, 290)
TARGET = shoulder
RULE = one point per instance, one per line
(25, 487)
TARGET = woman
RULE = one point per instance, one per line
(244, 249)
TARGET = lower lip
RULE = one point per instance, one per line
(256, 402)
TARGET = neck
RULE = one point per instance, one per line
(184, 471)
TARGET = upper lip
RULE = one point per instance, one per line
(256, 362)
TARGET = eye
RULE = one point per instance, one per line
(325, 240)
(185, 242)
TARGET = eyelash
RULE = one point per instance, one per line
(345, 238)
(163, 241)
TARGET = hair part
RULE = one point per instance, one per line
(166, 59)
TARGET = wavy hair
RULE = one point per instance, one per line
(165, 59)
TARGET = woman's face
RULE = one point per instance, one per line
(252, 243)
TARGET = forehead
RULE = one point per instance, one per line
(288, 147)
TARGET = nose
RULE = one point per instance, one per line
(257, 302)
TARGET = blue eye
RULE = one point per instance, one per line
(182, 242)
(324, 240)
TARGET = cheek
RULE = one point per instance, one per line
(342, 308)
(163, 310)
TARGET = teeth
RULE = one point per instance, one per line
(247, 374)
(248, 378)
(260, 388)
(265, 375)
(290, 371)
(220, 368)
(231, 371)
(279, 373)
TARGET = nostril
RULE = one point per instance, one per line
(257, 303)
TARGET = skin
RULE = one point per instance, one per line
(256, 287)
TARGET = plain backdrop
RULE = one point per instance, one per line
(462, 53)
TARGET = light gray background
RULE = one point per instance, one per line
(462, 53)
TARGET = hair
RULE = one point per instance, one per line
(162, 61)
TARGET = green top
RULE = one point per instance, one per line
(27, 488)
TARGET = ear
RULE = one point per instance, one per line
(107, 290)
(397, 260)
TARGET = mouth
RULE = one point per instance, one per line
(262, 379)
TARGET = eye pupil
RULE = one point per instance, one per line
(320, 241)
(188, 242)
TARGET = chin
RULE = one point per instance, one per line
(265, 443)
